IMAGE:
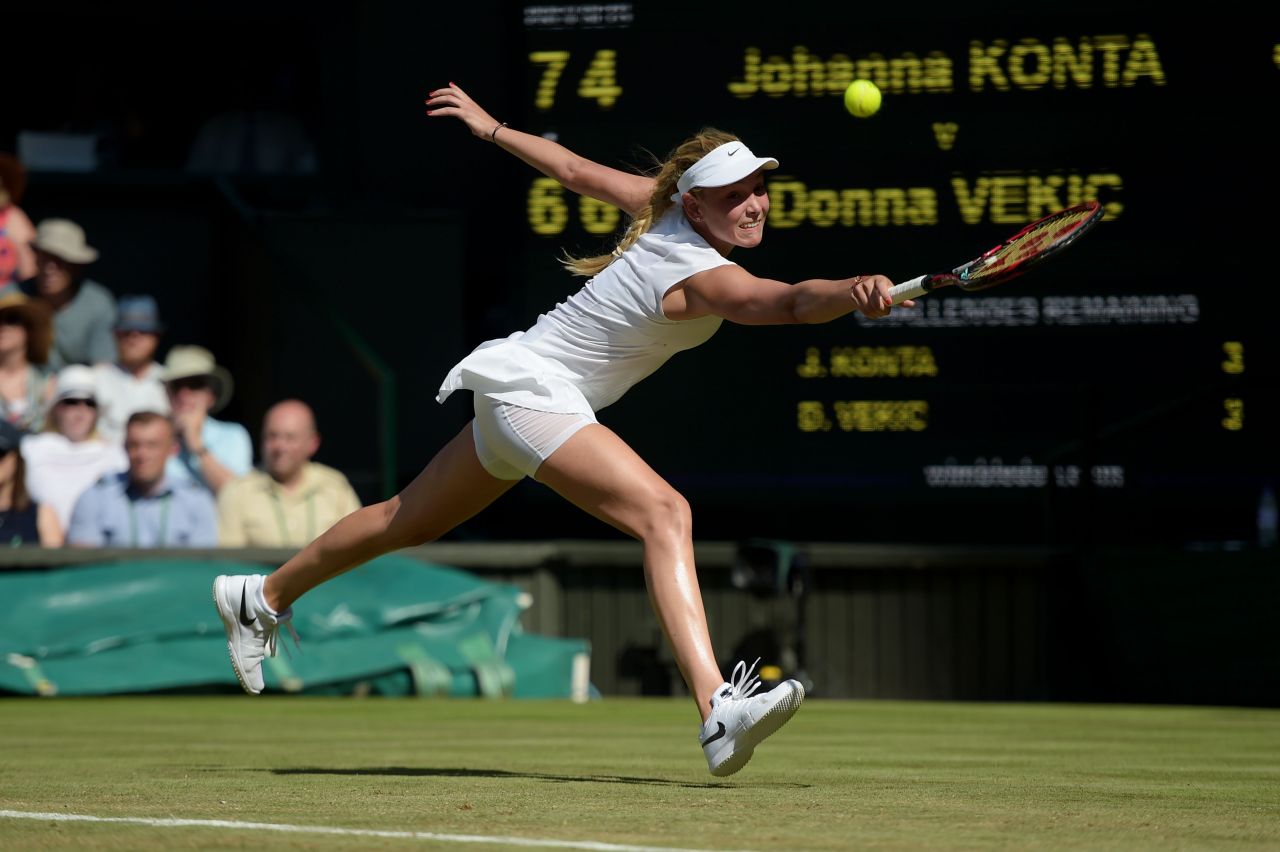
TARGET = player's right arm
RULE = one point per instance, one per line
(623, 190)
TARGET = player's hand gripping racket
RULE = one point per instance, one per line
(1039, 240)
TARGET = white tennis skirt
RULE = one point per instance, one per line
(512, 442)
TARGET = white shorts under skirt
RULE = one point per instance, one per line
(512, 441)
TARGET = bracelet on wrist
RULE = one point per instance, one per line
(493, 137)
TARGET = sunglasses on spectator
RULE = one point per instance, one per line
(11, 318)
(92, 403)
(194, 383)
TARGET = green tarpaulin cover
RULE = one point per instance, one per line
(394, 626)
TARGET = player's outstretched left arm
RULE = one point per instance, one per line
(625, 191)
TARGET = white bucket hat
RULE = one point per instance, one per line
(75, 382)
(721, 166)
(64, 239)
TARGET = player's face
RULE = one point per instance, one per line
(733, 215)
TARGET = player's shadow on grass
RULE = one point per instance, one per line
(443, 772)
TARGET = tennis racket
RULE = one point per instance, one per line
(1039, 240)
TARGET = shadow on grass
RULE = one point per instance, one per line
(444, 772)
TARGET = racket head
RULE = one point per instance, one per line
(1039, 240)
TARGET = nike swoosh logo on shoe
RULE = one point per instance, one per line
(717, 735)
(244, 614)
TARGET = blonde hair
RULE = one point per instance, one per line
(665, 177)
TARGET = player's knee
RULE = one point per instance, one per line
(666, 513)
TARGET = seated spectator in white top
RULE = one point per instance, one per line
(65, 460)
(212, 452)
(133, 382)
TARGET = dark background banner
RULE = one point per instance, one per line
(1122, 394)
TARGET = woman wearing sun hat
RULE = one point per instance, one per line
(69, 455)
(83, 310)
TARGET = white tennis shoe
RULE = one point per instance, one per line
(740, 721)
(252, 628)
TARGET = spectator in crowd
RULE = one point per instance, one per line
(17, 258)
(133, 382)
(293, 499)
(212, 452)
(143, 508)
(83, 310)
(22, 520)
(69, 456)
(26, 384)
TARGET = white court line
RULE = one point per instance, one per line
(345, 832)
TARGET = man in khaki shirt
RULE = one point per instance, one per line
(294, 499)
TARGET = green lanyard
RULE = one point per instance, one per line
(164, 522)
(284, 526)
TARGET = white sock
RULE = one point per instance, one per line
(260, 602)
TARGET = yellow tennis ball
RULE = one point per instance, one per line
(862, 98)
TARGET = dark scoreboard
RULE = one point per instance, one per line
(1124, 392)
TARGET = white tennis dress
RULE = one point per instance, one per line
(589, 350)
(536, 388)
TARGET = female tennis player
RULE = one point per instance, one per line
(665, 288)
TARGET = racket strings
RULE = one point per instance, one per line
(1030, 243)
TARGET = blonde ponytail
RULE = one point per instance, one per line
(685, 155)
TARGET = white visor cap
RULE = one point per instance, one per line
(723, 165)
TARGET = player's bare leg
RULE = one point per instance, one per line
(453, 487)
(597, 471)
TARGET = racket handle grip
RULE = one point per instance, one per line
(908, 289)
